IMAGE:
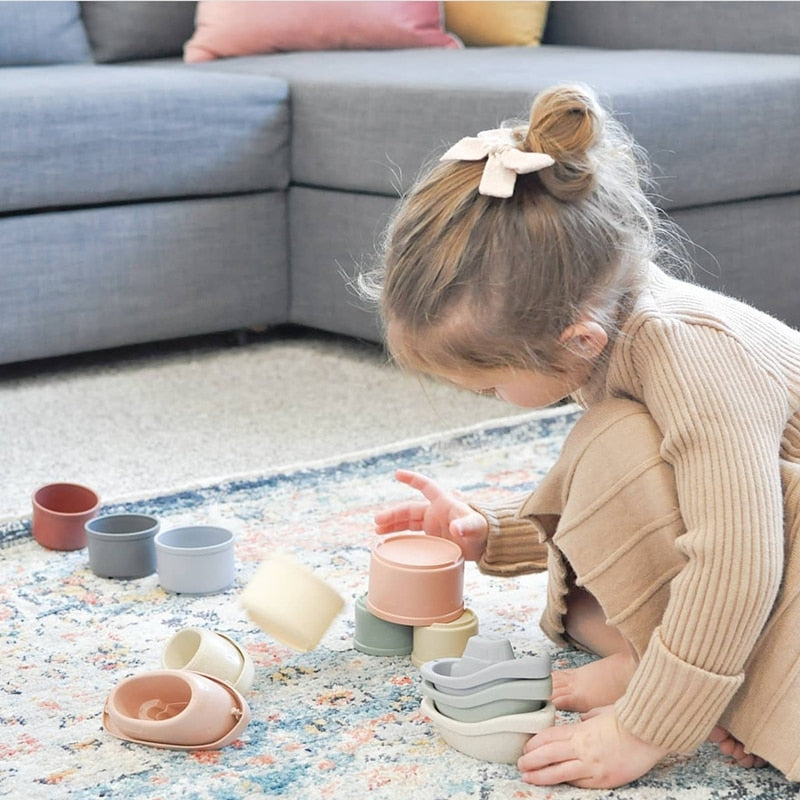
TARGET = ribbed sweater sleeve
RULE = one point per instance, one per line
(515, 544)
(721, 413)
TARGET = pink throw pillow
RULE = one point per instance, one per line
(232, 28)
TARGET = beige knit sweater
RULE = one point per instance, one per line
(721, 383)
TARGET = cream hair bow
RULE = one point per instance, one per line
(504, 160)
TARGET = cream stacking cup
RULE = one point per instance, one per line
(211, 653)
(288, 601)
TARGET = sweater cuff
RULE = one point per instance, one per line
(515, 545)
(671, 703)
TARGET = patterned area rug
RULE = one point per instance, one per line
(332, 723)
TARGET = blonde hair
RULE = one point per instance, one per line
(480, 282)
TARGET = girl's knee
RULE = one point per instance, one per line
(623, 424)
(614, 441)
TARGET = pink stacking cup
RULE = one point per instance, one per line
(416, 580)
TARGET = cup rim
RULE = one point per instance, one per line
(444, 555)
(37, 503)
(526, 722)
(139, 533)
(466, 620)
(162, 542)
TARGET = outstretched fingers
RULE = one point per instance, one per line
(436, 513)
(422, 483)
(405, 517)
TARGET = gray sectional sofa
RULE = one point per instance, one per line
(142, 198)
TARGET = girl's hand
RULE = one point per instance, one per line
(593, 754)
(439, 514)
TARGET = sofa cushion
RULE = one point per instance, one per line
(504, 22)
(739, 26)
(128, 31)
(366, 121)
(85, 134)
(233, 28)
(115, 275)
(41, 33)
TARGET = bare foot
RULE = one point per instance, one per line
(599, 683)
(734, 748)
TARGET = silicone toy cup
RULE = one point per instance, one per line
(176, 709)
(212, 654)
(486, 661)
(60, 511)
(443, 639)
(500, 739)
(377, 637)
(121, 545)
(416, 580)
(494, 700)
(197, 559)
(289, 602)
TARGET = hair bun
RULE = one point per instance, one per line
(566, 122)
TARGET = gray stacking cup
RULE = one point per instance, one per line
(121, 545)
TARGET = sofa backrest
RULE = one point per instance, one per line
(39, 32)
(740, 26)
(128, 31)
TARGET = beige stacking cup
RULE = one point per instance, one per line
(211, 653)
(444, 639)
(289, 602)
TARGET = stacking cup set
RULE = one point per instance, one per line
(414, 604)
(482, 700)
(488, 703)
(195, 703)
(194, 559)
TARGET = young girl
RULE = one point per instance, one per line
(526, 264)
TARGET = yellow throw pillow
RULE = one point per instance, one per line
(485, 23)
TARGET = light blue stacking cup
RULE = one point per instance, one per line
(196, 559)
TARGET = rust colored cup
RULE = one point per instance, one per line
(60, 512)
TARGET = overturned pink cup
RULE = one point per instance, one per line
(60, 512)
(176, 709)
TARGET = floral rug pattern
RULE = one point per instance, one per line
(332, 723)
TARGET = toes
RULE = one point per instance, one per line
(563, 695)
(717, 734)
(733, 748)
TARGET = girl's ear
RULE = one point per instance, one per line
(585, 339)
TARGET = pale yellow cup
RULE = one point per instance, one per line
(443, 639)
(290, 603)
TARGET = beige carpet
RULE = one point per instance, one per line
(141, 421)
